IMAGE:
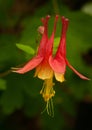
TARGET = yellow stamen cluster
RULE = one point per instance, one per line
(47, 90)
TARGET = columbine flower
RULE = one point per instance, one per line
(41, 61)
(46, 65)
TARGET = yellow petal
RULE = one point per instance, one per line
(44, 71)
(59, 77)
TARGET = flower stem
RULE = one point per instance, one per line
(55, 6)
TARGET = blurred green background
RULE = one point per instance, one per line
(20, 102)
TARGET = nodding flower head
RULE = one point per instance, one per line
(45, 64)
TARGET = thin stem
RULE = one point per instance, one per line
(7, 72)
(55, 6)
(3, 74)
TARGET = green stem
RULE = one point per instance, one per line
(55, 6)
(5, 73)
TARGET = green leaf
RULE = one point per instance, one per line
(26, 49)
(2, 84)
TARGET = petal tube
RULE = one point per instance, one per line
(29, 65)
(62, 45)
(57, 64)
(76, 72)
(44, 40)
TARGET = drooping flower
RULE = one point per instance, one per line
(41, 61)
(46, 65)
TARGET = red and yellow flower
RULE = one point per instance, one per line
(47, 66)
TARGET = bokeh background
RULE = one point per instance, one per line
(20, 102)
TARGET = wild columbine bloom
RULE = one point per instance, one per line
(47, 66)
